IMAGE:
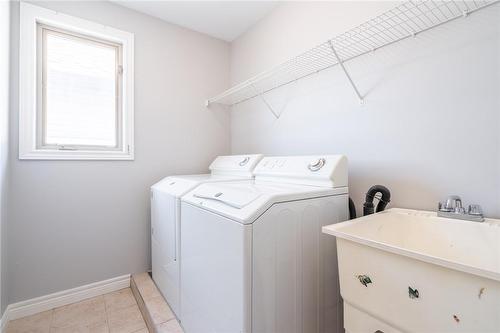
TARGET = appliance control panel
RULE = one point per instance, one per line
(328, 170)
(235, 163)
(272, 163)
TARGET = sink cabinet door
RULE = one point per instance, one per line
(414, 296)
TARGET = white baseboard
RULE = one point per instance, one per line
(48, 302)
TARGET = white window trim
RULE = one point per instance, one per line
(30, 16)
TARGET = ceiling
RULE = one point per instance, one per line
(225, 20)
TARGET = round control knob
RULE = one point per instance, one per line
(315, 166)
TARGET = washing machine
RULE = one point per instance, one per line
(166, 217)
(253, 255)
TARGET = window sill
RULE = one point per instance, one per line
(47, 154)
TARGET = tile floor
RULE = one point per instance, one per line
(114, 312)
(156, 310)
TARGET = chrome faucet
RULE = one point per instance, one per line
(453, 208)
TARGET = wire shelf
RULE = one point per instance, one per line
(403, 21)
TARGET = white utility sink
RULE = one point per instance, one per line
(410, 271)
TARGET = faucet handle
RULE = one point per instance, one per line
(453, 203)
(475, 210)
(443, 207)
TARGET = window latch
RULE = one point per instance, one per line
(66, 148)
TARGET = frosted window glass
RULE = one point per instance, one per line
(80, 96)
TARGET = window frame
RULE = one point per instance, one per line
(35, 20)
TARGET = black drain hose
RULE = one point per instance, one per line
(368, 207)
(352, 209)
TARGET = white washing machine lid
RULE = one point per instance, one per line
(234, 196)
(177, 186)
(245, 201)
(223, 168)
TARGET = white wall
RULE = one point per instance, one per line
(75, 222)
(431, 123)
(4, 129)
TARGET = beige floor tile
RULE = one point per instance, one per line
(146, 286)
(114, 312)
(126, 320)
(171, 326)
(159, 310)
(144, 330)
(141, 277)
(85, 313)
(119, 299)
(95, 328)
(37, 323)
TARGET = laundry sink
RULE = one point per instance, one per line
(410, 271)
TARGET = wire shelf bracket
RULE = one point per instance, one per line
(341, 63)
(264, 100)
(401, 22)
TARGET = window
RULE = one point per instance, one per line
(76, 97)
(79, 87)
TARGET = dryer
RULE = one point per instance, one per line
(166, 217)
(254, 258)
